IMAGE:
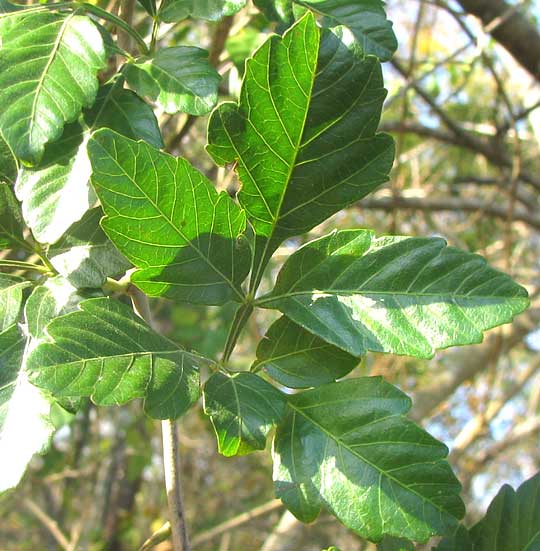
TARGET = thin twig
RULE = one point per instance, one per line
(49, 523)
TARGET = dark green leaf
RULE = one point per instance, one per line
(48, 72)
(8, 7)
(169, 221)
(11, 222)
(350, 447)
(512, 523)
(395, 544)
(8, 163)
(276, 10)
(303, 134)
(399, 295)
(84, 255)
(298, 359)
(176, 10)
(366, 19)
(107, 353)
(11, 296)
(149, 6)
(178, 79)
(243, 409)
(58, 193)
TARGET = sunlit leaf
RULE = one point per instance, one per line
(11, 296)
(57, 193)
(349, 447)
(48, 72)
(303, 134)
(11, 222)
(8, 163)
(107, 353)
(399, 295)
(169, 221)
(296, 358)
(176, 10)
(243, 409)
(178, 79)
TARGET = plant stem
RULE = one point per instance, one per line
(24, 266)
(171, 449)
(240, 319)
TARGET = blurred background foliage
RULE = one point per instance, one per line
(466, 118)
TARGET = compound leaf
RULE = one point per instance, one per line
(169, 221)
(57, 193)
(296, 358)
(243, 409)
(399, 295)
(178, 79)
(303, 134)
(350, 447)
(104, 351)
(48, 72)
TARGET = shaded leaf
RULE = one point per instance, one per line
(243, 409)
(149, 6)
(48, 72)
(8, 163)
(395, 544)
(176, 10)
(107, 353)
(511, 523)
(303, 134)
(178, 79)
(11, 296)
(11, 222)
(348, 446)
(58, 193)
(398, 295)
(277, 10)
(84, 255)
(296, 358)
(169, 221)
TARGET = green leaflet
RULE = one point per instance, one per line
(11, 222)
(169, 221)
(178, 79)
(296, 358)
(26, 424)
(104, 351)
(395, 544)
(303, 134)
(57, 193)
(84, 255)
(11, 296)
(398, 295)
(348, 446)
(512, 523)
(243, 409)
(176, 10)
(8, 163)
(48, 73)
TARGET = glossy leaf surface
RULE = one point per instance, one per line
(243, 409)
(169, 221)
(107, 353)
(178, 79)
(57, 193)
(296, 358)
(11, 296)
(303, 134)
(84, 255)
(399, 295)
(48, 73)
(511, 523)
(11, 222)
(176, 10)
(348, 446)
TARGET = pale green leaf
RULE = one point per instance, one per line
(303, 134)
(11, 222)
(511, 523)
(399, 295)
(243, 409)
(349, 447)
(298, 359)
(57, 193)
(178, 79)
(84, 255)
(11, 296)
(48, 72)
(104, 351)
(176, 10)
(169, 221)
